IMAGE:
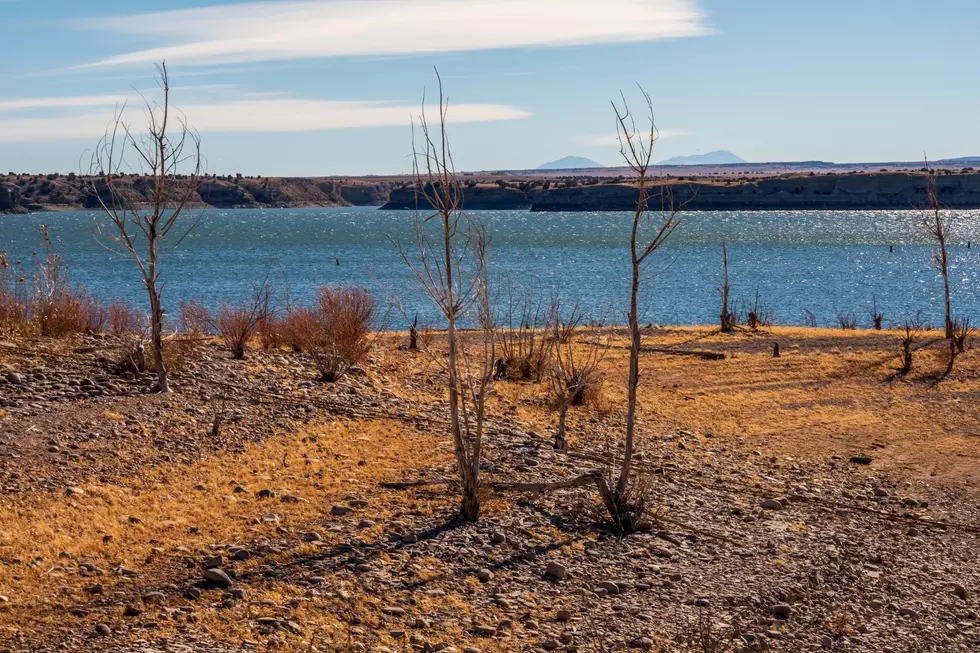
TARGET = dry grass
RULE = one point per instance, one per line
(326, 462)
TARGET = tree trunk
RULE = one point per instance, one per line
(906, 355)
(726, 318)
(634, 378)
(470, 506)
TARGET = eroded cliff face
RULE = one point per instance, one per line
(25, 192)
(892, 190)
(474, 198)
(862, 191)
(9, 197)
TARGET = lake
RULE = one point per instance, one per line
(824, 262)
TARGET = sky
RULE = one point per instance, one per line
(330, 87)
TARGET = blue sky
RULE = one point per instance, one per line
(327, 87)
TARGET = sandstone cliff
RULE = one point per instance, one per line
(885, 190)
(58, 192)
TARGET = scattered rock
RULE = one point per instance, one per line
(555, 570)
(218, 577)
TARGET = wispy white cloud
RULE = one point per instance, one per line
(613, 139)
(61, 102)
(245, 115)
(275, 31)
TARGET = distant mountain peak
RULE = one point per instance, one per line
(716, 158)
(571, 163)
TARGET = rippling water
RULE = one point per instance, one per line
(822, 261)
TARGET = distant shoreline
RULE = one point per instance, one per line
(785, 192)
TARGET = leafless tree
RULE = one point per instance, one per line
(574, 369)
(449, 261)
(727, 318)
(170, 153)
(936, 226)
(650, 230)
(877, 317)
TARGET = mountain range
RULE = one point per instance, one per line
(716, 158)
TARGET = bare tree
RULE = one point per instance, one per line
(573, 369)
(647, 236)
(172, 159)
(877, 317)
(936, 226)
(450, 263)
(727, 317)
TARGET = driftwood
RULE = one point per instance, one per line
(579, 481)
(404, 485)
(697, 353)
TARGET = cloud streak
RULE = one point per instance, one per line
(278, 115)
(279, 31)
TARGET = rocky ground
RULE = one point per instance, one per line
(129, 523)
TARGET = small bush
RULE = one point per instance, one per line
(342, 329)
(122, 318)
(195, 318)
(298, 329)
(847, 321)
(269, 332)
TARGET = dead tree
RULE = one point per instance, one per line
(170, 154)
(647, 236)
(450, 264)
(573, 369)
(727, 318)
(877, 317)
(936, 226)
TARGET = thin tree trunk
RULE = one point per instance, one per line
(634, 376)
(949, 312)
(156, 316)
(726, 319)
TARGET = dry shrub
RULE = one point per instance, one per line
(523, 347)
(178, 353)
(13, 304)
(343, 326)
(298, 329)
(237, 325)
(962, 331)
(847, 321)
(195, 318)
(65, 313)
(269, 332)
(122, 318)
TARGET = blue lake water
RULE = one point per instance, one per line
(822, 261)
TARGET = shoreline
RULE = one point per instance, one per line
(793, 192)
